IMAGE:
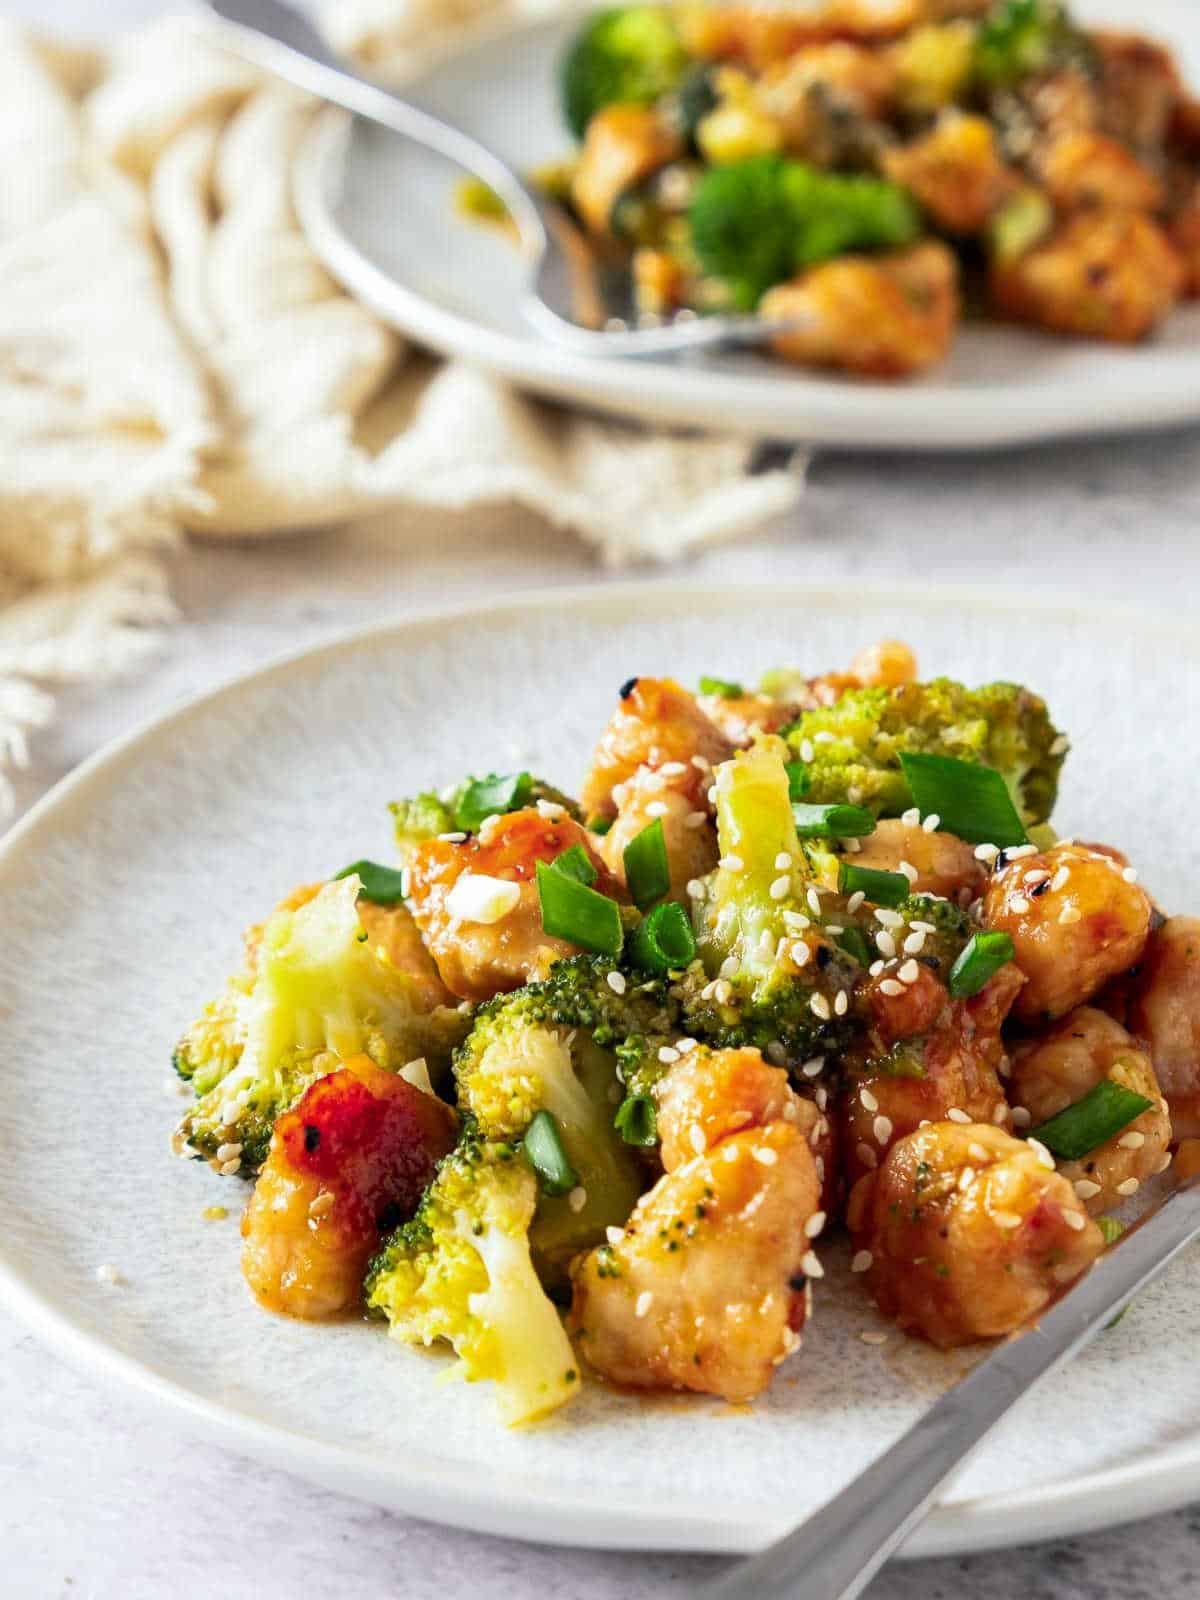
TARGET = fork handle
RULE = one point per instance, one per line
(837, 1551)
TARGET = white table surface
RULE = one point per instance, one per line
(99, 1498)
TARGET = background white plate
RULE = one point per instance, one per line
(381, 215)
(121, 901)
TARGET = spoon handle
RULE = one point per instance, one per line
(837, 1551)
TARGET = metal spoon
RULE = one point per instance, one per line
(282, 40)
(838, 1550)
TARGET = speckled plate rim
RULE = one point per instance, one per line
(468, 1497)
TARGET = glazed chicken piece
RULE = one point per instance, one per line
(955, 171)
(965, 1233)
(1059, 1068)
(1075, 921)
(951, 1070)
(1139, 89)
(882, 316)
(658, 725)
(944, 864)
(1091, 170)
(485, 936)
(1164, 1009)
(677, 800)
(352, 1157)
(1184, 234)
(705, 1288)
(1101, 275)
(623, 144)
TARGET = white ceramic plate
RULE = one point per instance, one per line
(122, 898)
(381, 215)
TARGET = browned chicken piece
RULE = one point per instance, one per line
(1075, 920)
(706, 1288)
(1164, 1009)
(688, 829)
(1090, 170)
(741, 716)
(1184, 132)
(623, 144)
(657, 724)
(965, 1233)
(1101, 275)
(1139, 88)
(483, 936)
(886, 664)
(824, 100)
(881, 316)
(944, 864)
(711, 1094)
(950, 1069)
(761, 35)
(1184, 234)
(355, 1153)
(955, 170)
(1061, 1067)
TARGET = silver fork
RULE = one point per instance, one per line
(282, 40)
(834, 1555)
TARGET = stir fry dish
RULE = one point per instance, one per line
(582, 1086)
(869, 171)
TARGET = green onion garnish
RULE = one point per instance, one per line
(1092, 1121)
(854, 942)
(799, 779)
(722, 687)
(572, 911)
(1110, 1228)
(880, 888)
(663, 941)
(647, 875)
(492, 796)
(382, 885)
(970, 800)
(979, 960)
(833, 822)
(637, 1120)
(545, 1153)
(600, 825)
(576, 863)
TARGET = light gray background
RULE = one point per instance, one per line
(101, 1499)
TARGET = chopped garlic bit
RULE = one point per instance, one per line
(478, 898)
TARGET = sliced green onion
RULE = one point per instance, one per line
(722, 687)
(647, 874)
(970, 800)
(833, 822)
(600, 825)
(854, 942)
(492, 796)
(799, 779)
(663, 941)
(572, 911)
(1110, 1228)
(637, 1121)
(576, 863)
(547, 1156)
(382, 885)
(979, 960)
(880, 888)
(1092, 1121)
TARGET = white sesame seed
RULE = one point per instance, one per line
(800, 953)
(1045, 1159)
(685, 1046)
(1086, 1189)
(1164, 1162)
(230, 1112)
(810, 1266)
(1075, 1219)
(891, 988)
(765, 1156)
(986, 852)
(814, 1067)
(889, 919)
(728, 967)
(867, 1100)
(1018, 903)
(1000, 1113)
(915, 943)
(824, 737)
(885, 943)
(909, 972)
(912, 817)
(1069, 914)
(697, 1139)
(957, 1114)
(1132, 1140)
(820, 1007)
(1060, 878)
(783, 862)
(321, 1204)
(806, 750)
(1018, 852)
(452, 838)
(841, 1003)
(228, 1152)
(1130, 1186)
(1060, 746)
(876, 968)
(614, 1235)
(667, 1053)
(862, 1261)
(1130, 875)
(695, 889)
(616, 982)
(107, 1273)
(909, 871)
(832, 929)
(870, 1338)
(932, 822)
(882, 1129)
(814, 1225)
(710, 794)
(866, 1155)
(551, 810)
(695, 819)
(722, 991)
(1006, 1219)
(814, 902)
(230, 1169)
(672, 769)
(701, 763)
(657, 808)
(1036, 875)
(976, 1152)
(731, 863)
(577, 1198)
(732, 1152)
(781, 887)
(643, 1303)
(1021, 1117)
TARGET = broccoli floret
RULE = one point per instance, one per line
(565, 1046)
(629, 55)
(746, 989)
(461, 1270)
(1019, 38)
(462, 808)
(317, 993)
(852, 748)
(758, 222)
